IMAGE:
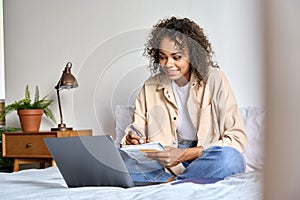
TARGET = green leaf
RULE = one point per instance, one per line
(49, 114)
(26, 104)
(36, 94)
(27, 93)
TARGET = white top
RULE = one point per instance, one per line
(185, 128)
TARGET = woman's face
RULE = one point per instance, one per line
(174, 61)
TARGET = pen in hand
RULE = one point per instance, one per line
(141, 141)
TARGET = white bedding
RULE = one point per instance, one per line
(49, 184)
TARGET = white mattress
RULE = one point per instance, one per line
(49, 184)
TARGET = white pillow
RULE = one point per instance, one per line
(254, 123)
(123, 117)
(254, 119)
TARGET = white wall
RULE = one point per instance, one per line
(104, 40)
(2, 83)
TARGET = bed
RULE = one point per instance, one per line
(49, 184)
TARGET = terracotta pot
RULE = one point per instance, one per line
(30, 119)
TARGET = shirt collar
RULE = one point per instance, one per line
(165, 82)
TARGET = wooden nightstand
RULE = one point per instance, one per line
(29, 147)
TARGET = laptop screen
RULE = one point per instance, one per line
(89, 161)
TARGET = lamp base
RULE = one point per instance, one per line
(62, 127)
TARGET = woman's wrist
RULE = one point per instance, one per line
(192, 153)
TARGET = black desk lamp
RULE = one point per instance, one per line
(66, 81)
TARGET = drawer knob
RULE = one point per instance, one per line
(28, 145)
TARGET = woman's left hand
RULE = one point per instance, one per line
(170, 157)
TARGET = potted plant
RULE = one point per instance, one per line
(30, 113)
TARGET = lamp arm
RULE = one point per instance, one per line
(61, 126)
(59, 106)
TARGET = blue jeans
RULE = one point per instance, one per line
(215, 162)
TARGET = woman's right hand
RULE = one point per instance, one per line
(132, 138)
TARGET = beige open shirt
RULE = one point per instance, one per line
(212, 108)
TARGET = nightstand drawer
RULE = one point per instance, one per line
(26, 146)
(29, 147)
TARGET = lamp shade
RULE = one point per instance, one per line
(67, 80)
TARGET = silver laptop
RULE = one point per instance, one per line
(90, 161)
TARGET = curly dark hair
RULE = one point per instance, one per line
(185, 33)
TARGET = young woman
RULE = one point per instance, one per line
(188, 106)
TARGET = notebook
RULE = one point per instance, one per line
(90, 161)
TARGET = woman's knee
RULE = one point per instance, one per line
(232, 160)
(224, 161)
